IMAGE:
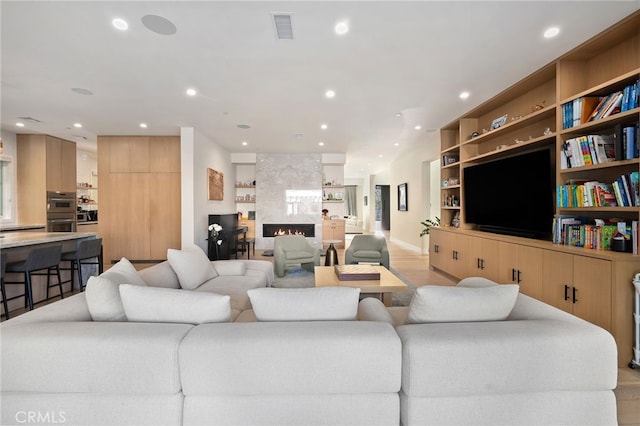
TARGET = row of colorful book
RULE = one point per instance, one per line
(622, 144)
(573, 231)
(623, 192)
(592, 108)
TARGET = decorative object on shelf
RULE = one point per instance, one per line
(498, 122)
(547, 131)
(499, 147)
(428, 224)
(516, 117)
(538, 107)
(475, 135)
(215, 180)
(448, 159)
(455, 222)
(338, 196)
(252, 215)
(325, 212)
(330, 196)
(403, 203)
(516, 140)
(445, 183)
(484, 131)
(453, 181)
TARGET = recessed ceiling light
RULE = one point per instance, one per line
(20, 124)
(321, 143)
(418, 127)
(323, 126)
(464, 95)
(245, 143)
(330, 94)
(380, 155)
(191, 92)
(143, 125)
(551, 32)
(120, 24)
(398, 114)
(342, 27)
(77, 125)
(396, 144)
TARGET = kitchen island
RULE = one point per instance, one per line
(17, 246)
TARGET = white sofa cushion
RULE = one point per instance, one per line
(305, 304)
(192, 267)
(462, 304)
(149, 304)
(103, 297)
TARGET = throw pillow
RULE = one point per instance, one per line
(192, 267)
(305, 304)
(150, 304)
(103, 297)
(462, 304)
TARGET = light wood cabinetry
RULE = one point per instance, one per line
(139, 197)
(44, 163)
(484, 258)
(333, 230)
(592, 284)
(521, 265)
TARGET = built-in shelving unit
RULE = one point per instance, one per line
(534, 109)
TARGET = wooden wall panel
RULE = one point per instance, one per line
(164, 154)
(164, 198)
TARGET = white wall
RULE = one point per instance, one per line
(198, 153)
(413, 168)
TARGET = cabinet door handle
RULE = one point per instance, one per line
(478, 263)
(482, 264)
(513, 275)
(519, 273)
(575, 294)
(566, 289)
(436, 248)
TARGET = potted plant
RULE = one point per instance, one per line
(428, 224)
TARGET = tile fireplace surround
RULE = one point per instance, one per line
(288, 191)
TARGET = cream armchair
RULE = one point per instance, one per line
(369, 249)
(293, 250)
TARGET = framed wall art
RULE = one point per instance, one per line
(403, 204)
(215, 181)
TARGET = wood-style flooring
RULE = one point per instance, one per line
(415, 268)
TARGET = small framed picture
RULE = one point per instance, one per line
(403, 204)
(499, 122)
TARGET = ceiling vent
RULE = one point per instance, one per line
(282, 24)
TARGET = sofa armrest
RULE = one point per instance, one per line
(372, 309)
(72, 308)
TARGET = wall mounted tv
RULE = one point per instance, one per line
(513, 195)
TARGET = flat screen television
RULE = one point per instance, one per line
(513, 195)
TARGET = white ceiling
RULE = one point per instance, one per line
(408, 57)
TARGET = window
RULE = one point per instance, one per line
(6, 189)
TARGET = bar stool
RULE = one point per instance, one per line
(39, 259)
(87, 250)
(3, 267)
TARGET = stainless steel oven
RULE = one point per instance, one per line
(61, 211)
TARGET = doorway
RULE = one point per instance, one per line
(383, 207)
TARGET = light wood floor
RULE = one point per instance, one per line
(415, 268)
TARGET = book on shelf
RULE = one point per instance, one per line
(622, 192)
(630, 97)
(630, 142)
(587, 150)
(573, 231)
(578, 111)
(613, 107)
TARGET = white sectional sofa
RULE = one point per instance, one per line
(539, 366)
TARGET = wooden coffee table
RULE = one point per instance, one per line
(325, 276)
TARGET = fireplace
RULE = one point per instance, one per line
(275, 229)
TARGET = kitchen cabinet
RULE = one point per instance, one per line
(44, 163)
(140, 197)
(522, 265)
(333, 229)
(449, 252)
(251, 227)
